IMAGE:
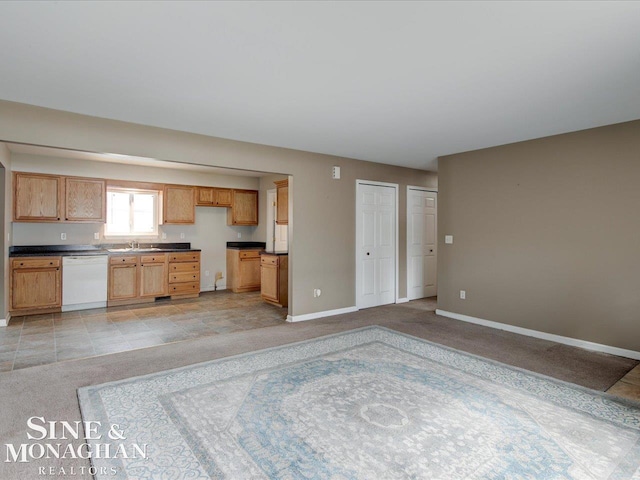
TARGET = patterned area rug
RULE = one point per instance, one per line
(367, 404)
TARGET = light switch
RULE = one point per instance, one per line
(448, 239)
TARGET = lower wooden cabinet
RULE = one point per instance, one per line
(137, 278)
(184, 274)
(274, 273)
(243, 270)
(153, 276)
(35, 285)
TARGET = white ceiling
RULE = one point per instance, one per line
(391, 82)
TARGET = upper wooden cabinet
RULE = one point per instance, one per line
(85, 200)
(44, 198)
(179, 204)
(244, 208)
(213, 197)
(282, 196)
(37, 197)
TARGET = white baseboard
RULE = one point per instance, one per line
(402, 300)
(325, 313)
(574, 342)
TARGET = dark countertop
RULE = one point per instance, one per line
(274, 252)
(246, 245)
(102, 249)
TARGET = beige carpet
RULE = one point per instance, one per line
(50, 390)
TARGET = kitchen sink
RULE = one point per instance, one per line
(143, 249)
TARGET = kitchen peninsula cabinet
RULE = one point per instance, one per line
(35, 285)
(244, 208)
(213, 197)
(274, 273)
(179, 206)
(243, 270)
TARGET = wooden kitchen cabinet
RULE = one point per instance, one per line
(243, 270)
(184, 274)
(54, 198)
(85, 200)
(179, 205)
(244, 208)
(213, 197)
(37, 197)
(153, 275)
(274, 273)
(35, 285)
(123, 279)
(282, 196)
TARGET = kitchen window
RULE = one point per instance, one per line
(131, 212)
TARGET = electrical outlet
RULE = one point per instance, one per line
(63, 236)
(317, 292)
(164, 236)
(448, 239)
(463, 294)
(181, 235)
(206, 273)
(239, 235)
(96, 236)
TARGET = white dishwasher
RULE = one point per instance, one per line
(84, 282)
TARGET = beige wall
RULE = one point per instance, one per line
(322, 251)
(546, 234)
(210, 233)
(5, 226)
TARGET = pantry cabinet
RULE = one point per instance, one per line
(282, 196)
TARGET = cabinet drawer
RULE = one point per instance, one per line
(153, 258)
(184, 257)
(182, 277)
(40, 262)
(123, 260)
(249, 254)
(184, 288)
(184, 267)
(269, 260)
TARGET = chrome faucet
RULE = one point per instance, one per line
(134, 244)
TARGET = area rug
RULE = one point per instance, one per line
(370, 403)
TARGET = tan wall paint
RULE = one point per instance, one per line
(6, 200)
(546, 234)
(322, 253)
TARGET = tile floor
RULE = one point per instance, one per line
(40, 339)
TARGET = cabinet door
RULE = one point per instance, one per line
(249, 273)
(222, 197)
(85, 200)
(244, 208)
(179, 204)
(269, 282)
(123, 282)
(36, 288)
(282, 212)
(36, 198)
(153, 279)
(205, 196)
